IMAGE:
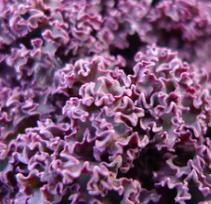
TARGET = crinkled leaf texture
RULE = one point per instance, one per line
(105, 102)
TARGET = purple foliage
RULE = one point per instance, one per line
(105, 101)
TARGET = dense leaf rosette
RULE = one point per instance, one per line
(105, 102)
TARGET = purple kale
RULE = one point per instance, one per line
(105, 102)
